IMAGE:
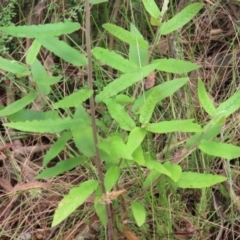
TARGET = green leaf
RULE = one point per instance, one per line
(57, 147)
(138, 156)
(175, 66)
(205, 99)
(123, 99)
(139, 213)
(174, 169)
(76, 197)
(111, 177)
(102, 213)
(152, 8)
(155, 165)
(33, 52)
(97, 1)
(199, 180)
(114, 60)
(230, 106)
(174, 126)
(83, 138)
(39, 73)
(115, 147)
(63, 50)
(99, 207)
(119, 114)
(155, 22)
(46, 30)
(123, 82)
(147, 108)
(81, 113)
(61, 167)
(18, 105)
(151, 178)
(46, 81)
(181, 18)
(135, 138)
(13, 67)
(74, 99)
(108, 158)
(49, 80)
(125, 36)
(30, 115)
(207, 134)
(41, 78)
(137, 55)
(164, 90)
(222, 150)
(45, 126)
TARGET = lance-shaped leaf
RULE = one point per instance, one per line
(57, 147)
(208, 133)
(147, 108)
(75, 198)
(199, 180)
(139, 213)
(138, 155)
(61, 167)
(18, 105)
(135, 138)
(125, 36)
(181, 18)
(151, 178)
(174, 169)
(123, 99)
(83, 139)
(205, 99)
(41, 78)
(230, 106)
(13, 67)
(174, 126)
(119, 114)
(123, 82)
(30, 115)
(111, 177)
(155, 165)
(40, 75)
(165, 89)
(151, 8)
(63, 50)
(114, 60)
(45, 126)
(136, 54)
(176, 66)
(115, 147)
(74, 99)
(217, 149)
(33, 52)
(97, 1)
(46, 30)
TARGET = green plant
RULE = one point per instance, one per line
(6, 16)
(125, 145)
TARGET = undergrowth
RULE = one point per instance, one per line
(119, 120)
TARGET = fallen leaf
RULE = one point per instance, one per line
(31, 185)
(150, 80)
(129, 234)
(108, 197)
(6, 185)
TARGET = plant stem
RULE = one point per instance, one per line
(94, 127)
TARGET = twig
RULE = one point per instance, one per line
(94, 127)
